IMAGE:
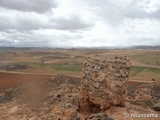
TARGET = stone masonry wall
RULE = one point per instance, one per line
(104, 83)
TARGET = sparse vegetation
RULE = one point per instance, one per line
(135, 70)
(145, 63)
(152, 58)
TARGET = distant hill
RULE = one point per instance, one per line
(157, 47)
(22, 48)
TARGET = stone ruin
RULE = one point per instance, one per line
(104, 83)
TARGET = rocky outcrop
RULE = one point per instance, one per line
(99, 116)
(104, 83)
(156, 107)
(51, 99)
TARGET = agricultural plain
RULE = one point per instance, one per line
(145, 63)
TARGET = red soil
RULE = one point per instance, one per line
(12, 79)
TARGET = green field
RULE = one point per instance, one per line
(145, 63)
(147, 58)
(64, 67)
(135, 70)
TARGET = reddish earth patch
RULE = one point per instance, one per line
(12, 79)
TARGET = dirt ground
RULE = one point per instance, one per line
(53, 97)
(12, 79)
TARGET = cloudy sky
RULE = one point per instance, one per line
(74, 23)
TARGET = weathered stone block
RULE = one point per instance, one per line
(104, 83)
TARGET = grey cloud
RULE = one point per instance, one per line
(39, 6)
(19, 39)
(115, 11)
(24, 22)
(72, 23)
(7, 23)
(135, 12)
(156, 14)
(112, 12)
(31, 39)
(142, 41)
(2, 41)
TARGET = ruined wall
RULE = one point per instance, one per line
(104, 83)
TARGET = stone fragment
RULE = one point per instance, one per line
(75, 116)
(99, 116)
(156, 106)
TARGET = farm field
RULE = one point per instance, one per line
(145, 63)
